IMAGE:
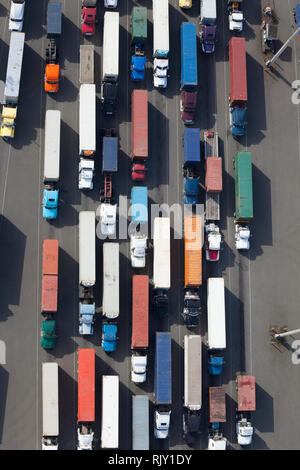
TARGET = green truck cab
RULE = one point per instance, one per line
(242, 162)
(48, 334)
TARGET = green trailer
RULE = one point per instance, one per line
(139, 25)
(243, 187)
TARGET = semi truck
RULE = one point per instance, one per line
(54, 30)
(238, 86)
(235, 15)
(268, 31)
(161, 45)
(192, 387)
(86, 399)
(51, 164)
(139, 134)
(108, 210)
(192, 269)
(214, 186)
(243, 199)
(49, 295)
(139, 226)
(161, 265)
(217, 416)
(189, 73)
(246, 405)
(110, 64)
(50, 406)
(191, 146)
(87, 271)
(208, 28)
(88, 17)
(110, 412)
(140, 327)
(162, 385)
(12, 85)
(87, 135)
(216, 324)
(86, 64)
(140, 422)
(110, 302)
(138, 39)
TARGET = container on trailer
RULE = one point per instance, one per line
(139, 204)
(110, 154)
(87, 248)
(49, 294)
(87, 119)
(140, 422)
(110, 412)
(86, 385)
(213, 175)
(191, 145)
(216, 313)
(86, 71)
(110, 69)
(163, 372)
(139, 25)
(217, 406)
(140, 312)
(162, 260)
(50, 257)
(110, 304)
(189, 72)
(50, 399)
(160, 28)
(246, 393)
(139, 127)
(208, 12)
(238, 71)
(193, 250)
(243, 186)
(192, 372)
(52, 146)
(54, 17)
(14, 67)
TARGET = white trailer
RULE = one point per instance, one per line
(161, 46)
(216, 313)
(110, 304)
(161, 247)
(110, 68)
(140, 422)
(86, 71)
(192, 372)
(14, 67)
(52, 146)
(87, 248)
(50, 406)
(87, 135)
(110, 412)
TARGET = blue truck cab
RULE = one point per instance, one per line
(50, 203)
(191, 144)
(109, 337)
(215, 364)
(238, 121)
(138, 67)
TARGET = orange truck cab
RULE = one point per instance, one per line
(52, 78)
(54, 30)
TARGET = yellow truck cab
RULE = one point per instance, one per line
(8, 117)
(185, 3)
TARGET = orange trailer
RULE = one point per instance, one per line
(193, 250)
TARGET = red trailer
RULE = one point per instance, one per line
(140, 312)
(238, 73)
(139, 133)
(50, 257)
(86, 385)
(217, 406)
(213, 176)
(246, 393)
(49, 294)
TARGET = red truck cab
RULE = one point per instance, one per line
(88, 17)
(188, 104)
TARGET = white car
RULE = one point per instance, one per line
(110, 3)
(16, 16)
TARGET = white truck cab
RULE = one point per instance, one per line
(108, 218)
(161, 424)
(160, 72)
(244, 430)
(236, 20)
(242, 237)
(85, 441)
(86, 173)
(138, 247)
(138, 368)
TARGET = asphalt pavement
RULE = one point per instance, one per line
(261, 286)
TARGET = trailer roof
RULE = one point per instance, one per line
(189, 71)
(238, 70)
(139, 126)
(139, 204)
(243, 185)
(87, 248)
(14, 66)
(216, 322)
(217, 405)
(110, 412)
(193, 250)
(110, 154)
(162, 256)
(140, 422)
(86, 71)
(192, 372)
(50, 399)
(54, 18)
(140, 311)
(191, 143)
(246, 393)
(86, 385)
(163, 370)
(87, 117)
(139, 22)
(50, 257)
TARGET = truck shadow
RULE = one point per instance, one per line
(4, 377)
(256, 115)
(34, 17)
(159, 158)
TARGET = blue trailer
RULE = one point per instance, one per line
(162, 384)
(191, 144)
(189, 72)
(110, 155)
(139, 205)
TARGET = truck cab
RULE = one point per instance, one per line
(8, 119)
(16, 16)
(50, 203)
(138, 172)
(191, 309)
(86, 173)
(160, 72)
(237, 119)
(109, 93)
(235, 15)
(215, 364)
(85, 438)
(86, 318)
(138, 65)
(138, 247)
(208, 37)
(188, 103)
(138, 368)
(108, 218)
(244, 430)
(161, 424)
(242, 237)
(213, 241)
(88, 17)
(161, 303)
(48, 334)
(190, 426)
(190, 189)
(109, 337)
(217, 443)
